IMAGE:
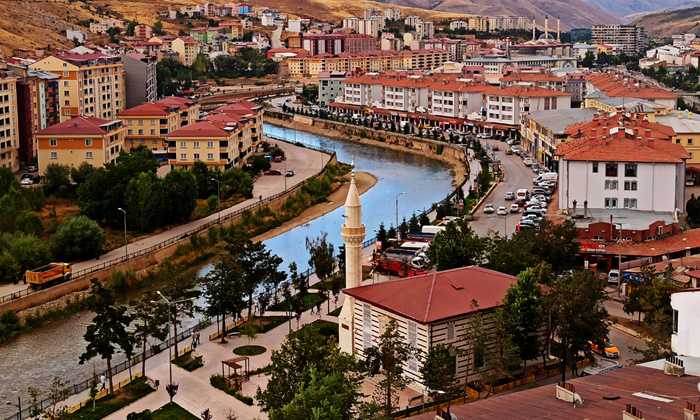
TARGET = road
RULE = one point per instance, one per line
(517, 176)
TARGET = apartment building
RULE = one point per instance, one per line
(37, 105)
(186, 49)
(618, 163)
(628, 39)
(330, 86)
(425, 29)
(508, 105)
(338, 43)
(376, 61)
(9, 122)
(497, 65)
(143, 31)
(540, 79)
(78, 140)
(223, 139)
(148, 124)
(392, 13)
(141, 82)
(623, 88)
(90, 84)
(686, 128)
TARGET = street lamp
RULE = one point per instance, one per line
(18, 406)
(398, 234)
(218, 196)
(171, 388)
(126, 241)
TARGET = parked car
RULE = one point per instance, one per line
(609, 350)
(502, 211)
(514, 208)
(535, 167)
(509, 152)
(543, 198)
(614, 277)
(289, 173)
(527, 162)
(536, 210)
(495, 148)
(510, 195)
(273, 172)
(278, 158)
(488, 209)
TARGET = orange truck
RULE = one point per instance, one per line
(49, 274)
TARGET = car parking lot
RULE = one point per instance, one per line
(517, 176)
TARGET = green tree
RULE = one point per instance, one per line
(29, 222)
(439, 372)
(413, 224)
(291, 369)
(223, 291)
(10, 270)
(259, 267)
(588, 60)
(11, 204)
(578, 315)
(7, 180)
(145, 201)
(108, 331)
(236, 181)
(181, 190)
(81, 173)
(327, 397)
(181, 295)
(321, 257)
(57, 179)
(78, 238)
(388, 359)
(150, 321)
(456, 246)
(523, 315)
(28, 250)
(203, 178)
(158, 28)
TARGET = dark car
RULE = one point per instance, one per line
(273, 172)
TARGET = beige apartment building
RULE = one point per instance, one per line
(376, 61)
(90, 84)
(80, 139)
(9, 124)
(223, 139)
(148, 124)
(186, 48)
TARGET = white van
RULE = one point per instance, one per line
(521, 195)
(432, 229)
(546, 176)
(614, 277)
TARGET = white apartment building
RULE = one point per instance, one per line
(508, 105)
(458, 24)
(412, 21)
(393, 13)
(685, 337)
(618, 169)
(629, 39)
(425, 30)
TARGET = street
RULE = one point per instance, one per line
(517, 176)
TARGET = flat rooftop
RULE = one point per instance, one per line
(605, 396)
(630, 219)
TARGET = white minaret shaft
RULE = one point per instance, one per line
(533, 28)
(558, 30)
(353, 233)
(546, 27)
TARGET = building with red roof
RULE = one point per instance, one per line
(80, 140)
(222, 139)
(431, 309)
(601, 88)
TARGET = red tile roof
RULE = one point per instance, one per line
(655, 248)
(439, 295)
(532, 77)
(524, 92)
(201, 129)
(595, 390)
(78, 126)
(616, 86)
(147, 109)
(600, 126)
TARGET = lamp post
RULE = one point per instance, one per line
(218, 196)
(398, 235)
(505, 226)
(171, 388)
(18, 406)
(126, 241)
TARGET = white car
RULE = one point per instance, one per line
(514, 208)
(510, 195)
(489, 208)
(502, 211)
(528, 162)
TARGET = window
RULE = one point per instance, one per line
(611, 203)
(690, 142)
(210, 144)
(196, 156)
(595, 167)
(610, 184)
(630, 203)
(611, 169)
(675, 321)
(88, 155)
(183, 156)
(630, 185)
(54, 155)
(631, 170)
(678, 141)
(210, 156)
(88, 142)
(450, 330)
(196, 145)
(183, 144)
(53, 142)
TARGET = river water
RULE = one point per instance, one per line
(35, 358)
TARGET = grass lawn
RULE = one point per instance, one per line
(325, 328)
(108, 405)
(172, 411)
(251, 350)
(310, 301)
(263, 324)
(336, 311)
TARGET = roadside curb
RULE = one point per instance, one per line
(485, 196)
(628, 331)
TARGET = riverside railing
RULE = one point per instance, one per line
(175, 239)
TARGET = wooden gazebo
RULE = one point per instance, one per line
(240, 366)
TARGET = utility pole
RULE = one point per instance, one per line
(126, 241)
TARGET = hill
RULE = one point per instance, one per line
(629, 8)
(671, 22)
(573, 13)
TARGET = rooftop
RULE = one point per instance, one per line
(648, 389)
(630, 219)
(439, 295)
(557, 120)
(79, 126)
(615, 85)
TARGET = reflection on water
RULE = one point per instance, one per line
(53, 350)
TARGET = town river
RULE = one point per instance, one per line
(33, 359)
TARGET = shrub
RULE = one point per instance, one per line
(250, 350)
(212, 203)
(78, 238)
(30, 223)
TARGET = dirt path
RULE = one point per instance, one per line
(364, 181)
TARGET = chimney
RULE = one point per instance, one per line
(674, 366)
(558, 30)
(690, 412)
(632, 413)
(567, 392)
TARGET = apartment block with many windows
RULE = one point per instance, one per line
(90, 84)
(78, 140)
(9, 123)
(629, 39)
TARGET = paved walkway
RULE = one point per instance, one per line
(305, 162)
